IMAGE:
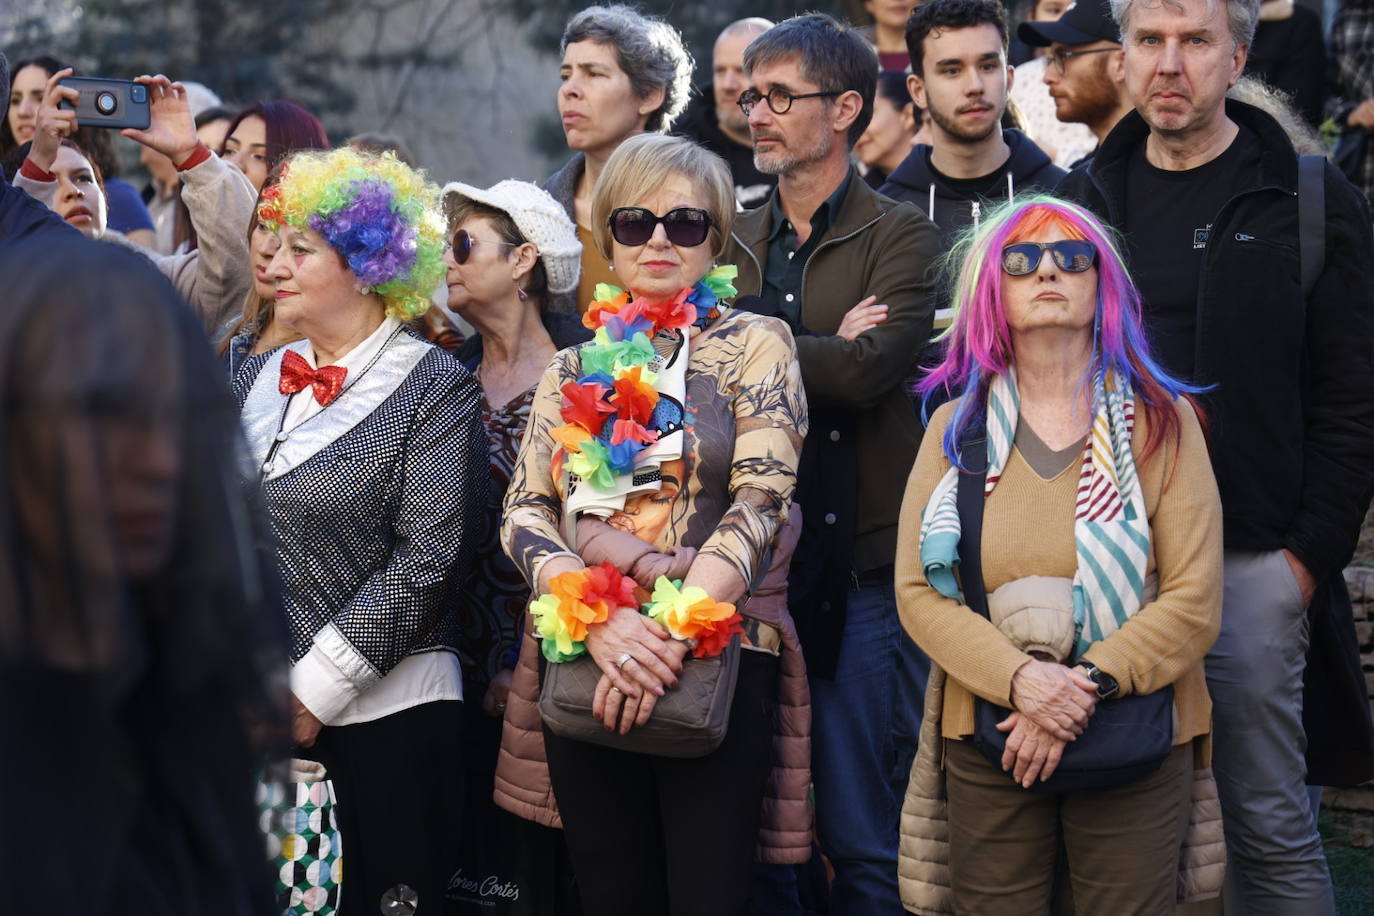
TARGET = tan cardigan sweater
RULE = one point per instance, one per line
(1028, 530)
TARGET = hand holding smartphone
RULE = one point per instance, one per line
(107, 102)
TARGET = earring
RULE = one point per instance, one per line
(524, 297)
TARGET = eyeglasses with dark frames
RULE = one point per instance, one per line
(1059, 55)
(779, 99)
(1072, 255)
(685, 226)
(462, 244)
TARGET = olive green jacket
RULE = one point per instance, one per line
(873, 247)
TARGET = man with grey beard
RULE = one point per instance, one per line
(714, 120)
(846, 268)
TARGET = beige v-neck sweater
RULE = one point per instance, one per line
(1028, 531)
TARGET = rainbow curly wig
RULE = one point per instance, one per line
(379, 214)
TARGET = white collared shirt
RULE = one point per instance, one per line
(315, 680)
(303, 404)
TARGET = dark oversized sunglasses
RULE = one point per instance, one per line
(1072, 255)
(462, 244)
(685, 226)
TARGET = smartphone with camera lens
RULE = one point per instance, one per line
(108, 103)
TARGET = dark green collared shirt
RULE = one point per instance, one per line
(782, 275)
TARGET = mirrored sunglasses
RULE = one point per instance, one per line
(1072, 255)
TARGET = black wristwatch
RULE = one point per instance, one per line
(1107, 686)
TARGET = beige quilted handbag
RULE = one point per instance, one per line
(689, 720)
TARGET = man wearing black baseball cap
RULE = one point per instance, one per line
(1086, 76)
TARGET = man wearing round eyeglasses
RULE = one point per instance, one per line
(847, 269)
(713, 117)
(1086, 73)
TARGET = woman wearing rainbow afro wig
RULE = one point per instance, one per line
(373, 463)
(1090, 603)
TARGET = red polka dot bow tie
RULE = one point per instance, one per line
(296, 374)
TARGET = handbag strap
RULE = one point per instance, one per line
(970, 499)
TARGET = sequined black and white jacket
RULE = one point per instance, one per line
(375, 503)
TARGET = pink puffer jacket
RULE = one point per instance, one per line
(785, 835)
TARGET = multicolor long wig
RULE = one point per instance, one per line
(978, 342)
(379, 214)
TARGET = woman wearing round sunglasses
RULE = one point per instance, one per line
(667, 447)
(1101, 561)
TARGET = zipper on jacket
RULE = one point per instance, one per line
(823, 245)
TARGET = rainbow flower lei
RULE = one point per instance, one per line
(690, 614)
(609, 413)
(582, 598)
(577, 600)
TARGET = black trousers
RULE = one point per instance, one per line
(663, 836)
(399, 785)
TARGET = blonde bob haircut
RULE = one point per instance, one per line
(643, 164)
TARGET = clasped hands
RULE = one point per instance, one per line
(1052, 707)
(639, 659)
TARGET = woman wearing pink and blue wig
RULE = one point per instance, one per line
(1059, 559)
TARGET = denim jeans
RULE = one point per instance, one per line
(773, 891)
(865, 723)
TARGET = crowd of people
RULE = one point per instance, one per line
(912, 471)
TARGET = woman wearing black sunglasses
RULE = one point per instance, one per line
(667, 447)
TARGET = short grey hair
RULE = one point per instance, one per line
(1241, 16)
(649, 50)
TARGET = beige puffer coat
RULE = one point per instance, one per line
(923, 854)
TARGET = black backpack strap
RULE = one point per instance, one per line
(1311, 219)
(970, 502)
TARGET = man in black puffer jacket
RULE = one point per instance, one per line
(1205, 191)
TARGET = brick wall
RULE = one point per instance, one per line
(1360, 580)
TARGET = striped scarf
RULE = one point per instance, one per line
(1111, 531)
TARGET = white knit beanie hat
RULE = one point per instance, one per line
(539, 217)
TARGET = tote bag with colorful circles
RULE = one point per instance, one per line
(303, 843)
